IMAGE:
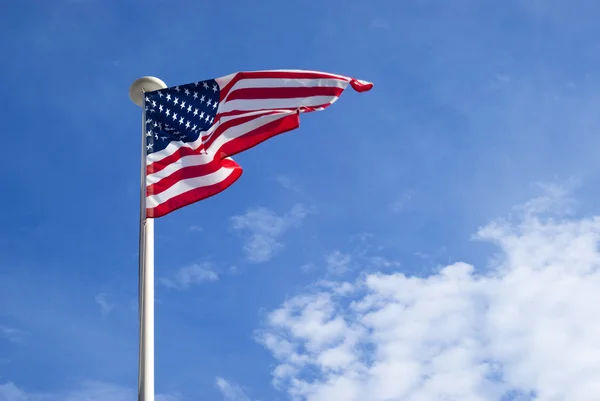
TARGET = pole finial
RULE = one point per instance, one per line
(142, 85)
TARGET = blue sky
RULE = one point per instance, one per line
(475, 104)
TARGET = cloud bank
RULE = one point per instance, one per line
(526, 327)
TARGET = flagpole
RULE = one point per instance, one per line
(146, 255)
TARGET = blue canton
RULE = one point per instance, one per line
(180, 113)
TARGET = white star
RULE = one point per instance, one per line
(174, 116)
(196, 83)
(205, 85)
(162, 138)
(168, 96)
(154, 103)
(202, 99)
(214, 105)
(189, 109)
(214, 88)
(149, 146)
(187, 92)
(187, 124)
(194, 127)
(208, 103)
(160, 107)
(160, 94)
(147, 99)
(176, 100)
(201, 115)
(207, 117)
(156, 136)
(149, 133)
(148, 121)
(155, 124)
(195, 95)
(182, 105)
(212, 119)
(195, 112)
(177, 89)
(181, 121)
(168, 112)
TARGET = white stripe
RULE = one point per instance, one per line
(187, 185)
(244, 104)
(242, 129)
(288, 83)
(186, 161)
(224, 119)
(169, 150)
(313, 72)
(223, 81)
(175, 145)
(228, 135)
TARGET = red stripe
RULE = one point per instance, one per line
(166, 161)
(185, 151)
(196, 194)
(250, 139)
(232, 123)
(268, 126)
(260, 134)
(361, 87)
(301, 108)
(275, 75)
(182, 174)
(284, 92)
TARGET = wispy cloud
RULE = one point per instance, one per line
(194, 228)
(88, 391)
(362, 255)
(528, 325)
(190, 275)
(105, 305)
(288, 183)
(401, 202)
(231, 391)
(308, 267)
(263, 229)
(13, 335)
(338, 262)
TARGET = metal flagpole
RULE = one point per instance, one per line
(146, 255)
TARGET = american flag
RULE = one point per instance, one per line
(193, 130)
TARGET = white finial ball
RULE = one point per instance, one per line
(144, 84)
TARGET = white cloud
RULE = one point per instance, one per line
(13, 334)
(400, 203)
(526, 328)
(88, 391)
(338, 262)
(264, 228)
(383, 262)
(105, 306)
(190, 275)
(10, 392)
(288, 183)
(231, 392)
(308, 267)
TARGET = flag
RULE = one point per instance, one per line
(193, 130)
